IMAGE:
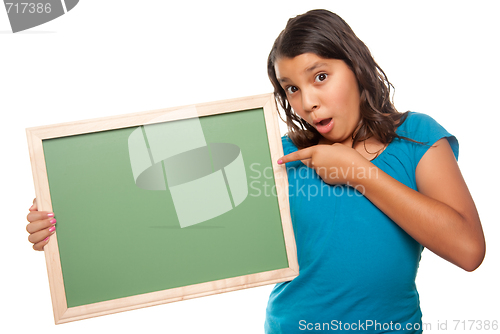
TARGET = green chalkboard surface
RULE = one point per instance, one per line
(118, 238)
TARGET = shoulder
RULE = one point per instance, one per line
(426, 130)
(417, 122)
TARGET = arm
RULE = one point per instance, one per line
(441, 216)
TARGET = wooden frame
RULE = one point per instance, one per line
(64, 314)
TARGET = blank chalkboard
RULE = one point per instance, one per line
(164, 205)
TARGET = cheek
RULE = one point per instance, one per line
(349, 99)
(298, 111)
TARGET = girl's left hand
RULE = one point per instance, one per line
(41, 226)
(335, 164)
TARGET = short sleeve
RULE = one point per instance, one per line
(424, 129)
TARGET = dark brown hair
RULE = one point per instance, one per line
(328, 36)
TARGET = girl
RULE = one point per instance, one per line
(359, 250)
(379, 186)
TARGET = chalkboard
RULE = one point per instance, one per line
(164, 205)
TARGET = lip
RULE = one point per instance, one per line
(323, 128)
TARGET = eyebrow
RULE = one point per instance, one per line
(309, 69)
(315, 66)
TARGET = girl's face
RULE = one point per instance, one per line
(323, 92)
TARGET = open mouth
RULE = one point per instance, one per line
(324, 121)
(324, 125)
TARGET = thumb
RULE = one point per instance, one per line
(34, 207)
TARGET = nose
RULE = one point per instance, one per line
(310, 100)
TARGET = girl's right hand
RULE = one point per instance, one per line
(41, 226)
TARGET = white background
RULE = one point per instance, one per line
(114, 57)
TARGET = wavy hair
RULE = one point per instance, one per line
(328, 36)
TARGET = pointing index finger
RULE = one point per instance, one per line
(303, 154)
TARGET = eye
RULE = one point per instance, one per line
(321, 77)
(291, 89)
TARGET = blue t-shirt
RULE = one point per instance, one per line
(357, 267)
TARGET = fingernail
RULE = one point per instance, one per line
(52, 229)
(31, 207)
(46, 239)
(280, 162)
(50, 215)
(52, 221)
